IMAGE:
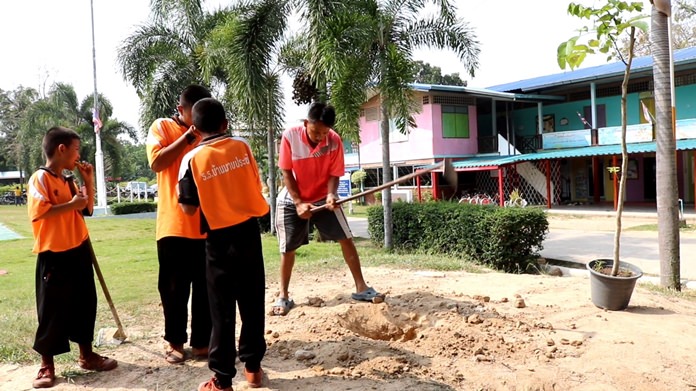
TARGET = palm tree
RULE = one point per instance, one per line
(246, 47)
(667, 189)
(60, 107)
(13, 109)
(109, 133)
(163, 56)
(365, 44)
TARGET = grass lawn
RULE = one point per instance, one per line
(127, 254)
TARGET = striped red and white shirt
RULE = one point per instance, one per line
(311, 166)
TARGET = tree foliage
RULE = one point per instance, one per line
(25, 117)
(683, 30)
(428, 74)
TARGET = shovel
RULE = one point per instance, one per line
(448, 173)
(102, 337)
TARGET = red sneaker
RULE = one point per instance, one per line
(211, 385)
(254, 378)
(95, 362)
(46, 377)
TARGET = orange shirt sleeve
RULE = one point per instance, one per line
(285, 154)
(38, 200)
(337, 163)
(156, 140)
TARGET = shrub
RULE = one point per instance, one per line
(125, 208)
(505, 239)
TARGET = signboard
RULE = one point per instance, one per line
(634, 134)
(569, 139)
(344, 186)
(686, 128)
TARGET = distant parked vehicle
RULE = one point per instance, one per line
(137, 188)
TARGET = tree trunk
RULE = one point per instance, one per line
(667, 190)
(270, 140)
(386, 177)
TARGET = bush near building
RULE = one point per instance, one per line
(506, 239)
(125, 208)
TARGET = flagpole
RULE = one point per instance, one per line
(99, 155)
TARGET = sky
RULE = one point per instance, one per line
(47, 41)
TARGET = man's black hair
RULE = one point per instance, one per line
(56, 136)
(208, 115)
(192, 94)
(322, 112)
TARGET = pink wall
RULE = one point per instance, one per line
(454, 146)
(418, 145)
(423, 142)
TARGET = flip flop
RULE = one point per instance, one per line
(282, 306)
(369, 294)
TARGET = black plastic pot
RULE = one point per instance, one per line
(609, 292)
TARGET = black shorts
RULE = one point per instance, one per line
(293, 231)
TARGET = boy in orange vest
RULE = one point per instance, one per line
(221, 178)
(66, 297)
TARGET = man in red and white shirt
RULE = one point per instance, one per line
(311, 159)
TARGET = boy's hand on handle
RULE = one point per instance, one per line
(331, 199)
(304, 210)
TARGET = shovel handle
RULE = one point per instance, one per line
(382, 186)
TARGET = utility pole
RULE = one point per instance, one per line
(99, 155)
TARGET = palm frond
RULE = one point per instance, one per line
(187, 12)
(395, 87)
(441, 34)
(143, 53)
(251, 40)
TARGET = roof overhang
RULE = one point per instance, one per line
(486, 93)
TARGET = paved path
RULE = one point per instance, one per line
(638, 248)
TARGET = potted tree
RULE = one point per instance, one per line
(611, 281)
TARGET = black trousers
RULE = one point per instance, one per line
(182, 273)
(66, 300)
(236, 276)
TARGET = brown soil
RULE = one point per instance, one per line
(436, 331)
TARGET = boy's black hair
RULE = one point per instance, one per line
(208, 115)
(192, 94)
(56, 136)
(322, 112)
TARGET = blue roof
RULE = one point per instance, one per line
(645, 63)
(483, 92)
(569, 153)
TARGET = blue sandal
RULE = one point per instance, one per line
(369, 294)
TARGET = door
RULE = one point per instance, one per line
(649, 180)
(601, 116)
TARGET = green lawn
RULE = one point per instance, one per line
(126, 252)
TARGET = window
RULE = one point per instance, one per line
(455, 121)
(395, 136)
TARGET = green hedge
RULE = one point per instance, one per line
(125, 208)
(506, 239)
